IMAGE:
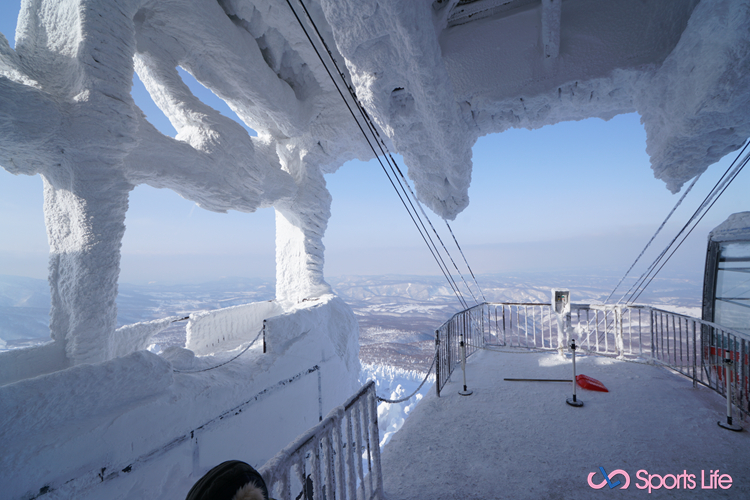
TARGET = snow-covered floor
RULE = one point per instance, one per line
(520, 439)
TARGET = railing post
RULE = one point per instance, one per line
(744, 397)
(375, 437)
(651, 326)
(695, 360)
(560, 334)
(465, 391)
(437, 362)
(619, 343)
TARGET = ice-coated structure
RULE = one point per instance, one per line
(435, 75)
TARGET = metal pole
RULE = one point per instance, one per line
(729, 425)
(574, 401)
(437, 362)
(465, 392)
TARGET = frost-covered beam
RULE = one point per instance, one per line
(220, 181)
(392, 52)
(300, 226)
(27, 145)
(223, 55)
(551, 13)
(284, 93)
(213, 161)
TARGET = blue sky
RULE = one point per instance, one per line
(576, 196)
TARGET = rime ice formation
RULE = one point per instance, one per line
(133, 427)
(434, 75)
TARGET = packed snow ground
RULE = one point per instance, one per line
(520, 439)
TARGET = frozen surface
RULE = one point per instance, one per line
(736, 227)
(137, 337)
(148, 426)
(520, 439)
(227, 328)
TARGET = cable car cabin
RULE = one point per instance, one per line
(726, 285)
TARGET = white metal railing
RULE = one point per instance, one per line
(690, 346)
(338, 459)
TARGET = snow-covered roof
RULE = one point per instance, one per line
(735, 228)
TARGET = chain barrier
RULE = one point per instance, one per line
(225, 362)
(393, 401)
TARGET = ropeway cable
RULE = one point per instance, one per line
(425, 236)
(384, 148)
(652, 239)
(661, 255)
(392, 164)
(642, 278)
(721, 185)
(725, 186)
(466, 261)
(395, 169)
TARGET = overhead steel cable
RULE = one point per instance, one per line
(726, 185)
(721, 185)
(651, 240)
(395, 169)
(466, 261)
(425, 237)
(430, 222)
(393, 165)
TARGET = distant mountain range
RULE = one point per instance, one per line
(397, 314)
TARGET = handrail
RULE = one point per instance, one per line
(690, 346)
(319, 460)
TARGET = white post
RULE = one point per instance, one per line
(619, 340)
(574, 401)
(729, 425)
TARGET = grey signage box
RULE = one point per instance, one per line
(561, 301)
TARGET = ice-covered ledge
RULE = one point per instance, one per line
(149, 419)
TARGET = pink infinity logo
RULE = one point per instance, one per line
(608, 479)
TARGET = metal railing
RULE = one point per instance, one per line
(690, 346)
(338, 459)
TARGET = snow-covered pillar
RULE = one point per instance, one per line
(300, 226)
(85, 218)
(75, 124)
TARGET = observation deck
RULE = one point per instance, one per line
(520, 439)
